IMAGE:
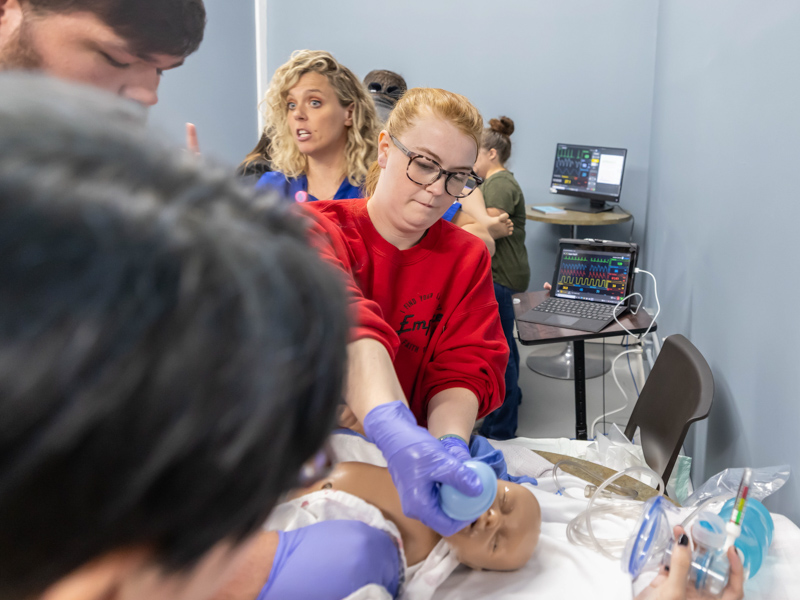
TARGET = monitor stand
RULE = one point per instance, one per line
(596, 206)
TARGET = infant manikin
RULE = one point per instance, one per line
(501, 539)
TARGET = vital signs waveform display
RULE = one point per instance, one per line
(573, 166)
(573, 161)
(593, 274)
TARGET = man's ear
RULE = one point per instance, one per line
(10, 19)
(100, 579)
(384, 143)
(348, 120)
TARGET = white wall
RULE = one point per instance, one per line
(722, 220)
(578, 72)
(216, 88)
(708, 114)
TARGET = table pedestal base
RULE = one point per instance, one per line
(562, 365)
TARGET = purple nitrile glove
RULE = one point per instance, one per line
(456, 447)
(330, 560)
(418, 463)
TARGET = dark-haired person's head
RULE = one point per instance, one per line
(122, 46)
(386, 88)
(171, 354)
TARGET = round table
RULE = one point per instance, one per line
(562, 364)
(574, 218)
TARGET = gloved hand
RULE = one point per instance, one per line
(418, 463)
(331, 560)
(457, 447)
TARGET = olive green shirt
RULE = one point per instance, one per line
(510, 261)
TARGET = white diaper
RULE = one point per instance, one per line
(417, 582)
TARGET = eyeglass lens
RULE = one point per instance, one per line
(424, 171)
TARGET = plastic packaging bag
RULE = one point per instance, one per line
(617, 452)
(765, 482)
(679, 486)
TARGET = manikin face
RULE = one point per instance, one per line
(318, 123)
(79, 47)
(407, 206)
(505, 536)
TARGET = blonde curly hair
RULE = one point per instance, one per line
(417, 102)
(362, 136)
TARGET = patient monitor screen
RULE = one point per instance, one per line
(589, 171)
(593, 275)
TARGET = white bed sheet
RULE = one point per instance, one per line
(560, 570)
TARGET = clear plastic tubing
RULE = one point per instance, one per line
(580, 530)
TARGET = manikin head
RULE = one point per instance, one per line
(121, 46)
(171, 353)
(505, 536)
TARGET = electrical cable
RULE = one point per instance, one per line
(624, 298)
(627, 352)
(619, 385)
(604, 386)
(635, 387)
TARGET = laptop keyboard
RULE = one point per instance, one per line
(577, 308)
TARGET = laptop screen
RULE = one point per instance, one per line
(594, 275)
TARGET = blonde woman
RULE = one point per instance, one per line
(423, 298)
(322, 129)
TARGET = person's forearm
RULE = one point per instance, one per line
(467, 222)
(474, 205)
(453, 410)
(481, 232)
(371, 378)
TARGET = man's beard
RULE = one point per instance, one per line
(19, 53)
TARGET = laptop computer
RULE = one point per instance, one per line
(590, 279)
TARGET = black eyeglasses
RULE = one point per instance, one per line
(426, 171)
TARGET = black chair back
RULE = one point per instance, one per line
(678, 392)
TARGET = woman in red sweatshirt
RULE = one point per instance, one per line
(422, 291)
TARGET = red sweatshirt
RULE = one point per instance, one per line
(437, 299)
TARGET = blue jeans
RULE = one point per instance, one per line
(502, 423)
